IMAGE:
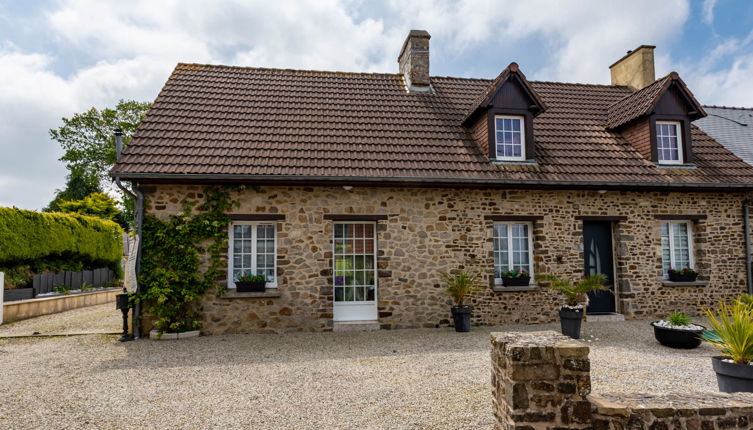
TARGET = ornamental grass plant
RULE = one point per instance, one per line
(574, 292)
(459, 285)
(732, 325)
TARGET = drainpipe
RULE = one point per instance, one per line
(139, 196)
(746, 227)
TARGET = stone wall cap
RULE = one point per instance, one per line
(615, 402)
(533, 338)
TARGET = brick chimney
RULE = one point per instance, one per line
(414, 62)
(636, 69)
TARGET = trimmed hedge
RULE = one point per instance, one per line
(27, 237)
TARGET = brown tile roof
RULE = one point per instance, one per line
(235, 123)
(643, 101)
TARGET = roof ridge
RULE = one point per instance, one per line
(339, 72)
(728, 107)
(275, 69)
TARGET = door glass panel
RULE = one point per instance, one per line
(354, 260)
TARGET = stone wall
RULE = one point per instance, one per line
(429, 230)
(686, 411)
(541, 380)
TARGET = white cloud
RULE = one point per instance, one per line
(708, 11)
(98, 52)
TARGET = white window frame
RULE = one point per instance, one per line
(231, 238)
(522, 120)
(498, 281)
(680, 155)
(376, 264)
(691, 249)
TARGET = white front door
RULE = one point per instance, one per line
(355, 271)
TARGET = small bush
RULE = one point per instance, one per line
(460, 285)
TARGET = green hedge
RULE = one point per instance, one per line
(29, 237)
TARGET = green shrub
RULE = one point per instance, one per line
(55, 241)
(678, 318)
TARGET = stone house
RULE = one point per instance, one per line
(367, 185)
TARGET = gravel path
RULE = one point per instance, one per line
(431, 378)
(91, 319)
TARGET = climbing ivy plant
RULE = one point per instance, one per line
(171, 280)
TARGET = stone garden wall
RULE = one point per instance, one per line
(541, 380)
(428, 230)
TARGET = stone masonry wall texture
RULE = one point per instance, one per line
(429, 230)
(542, 381)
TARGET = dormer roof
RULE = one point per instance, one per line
(511, 73)
(644, 101)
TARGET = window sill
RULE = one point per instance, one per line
(502, 289)
(521, 162)
(667, 283)
(676, 166)
(269, 294)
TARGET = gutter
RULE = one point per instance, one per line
(393, 180)
(746, 228)
(139, 217)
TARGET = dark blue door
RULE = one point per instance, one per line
(597, 258)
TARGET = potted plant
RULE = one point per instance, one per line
(571, 314)
(732, 335)
(458, 286)
(678, 331)
(250, 283)
(515, 278)
(683, 275)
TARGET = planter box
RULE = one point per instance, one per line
(570, 322)
(250, 287)
(676, 277)
(522, 281)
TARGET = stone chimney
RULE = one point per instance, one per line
(636, 69)
(414, 62)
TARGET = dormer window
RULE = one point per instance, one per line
(669, 142)
(510, 137)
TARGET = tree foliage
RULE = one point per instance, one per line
(77, 186)
(99, 205)
(89, 152)
(87, 138)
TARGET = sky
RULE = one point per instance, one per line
(61, 57)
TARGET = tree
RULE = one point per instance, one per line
(77, 186)
(95, 204)
(88, 143)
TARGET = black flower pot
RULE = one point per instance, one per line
(674, 338)
(520, 281)
(461, 315)
(677, 277)
(733, 377)
(570, 321)
(249, 287)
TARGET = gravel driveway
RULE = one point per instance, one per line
(430, 378)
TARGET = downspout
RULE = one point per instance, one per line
(746, 227)
(139, 216)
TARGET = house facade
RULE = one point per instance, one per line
(367, 186)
